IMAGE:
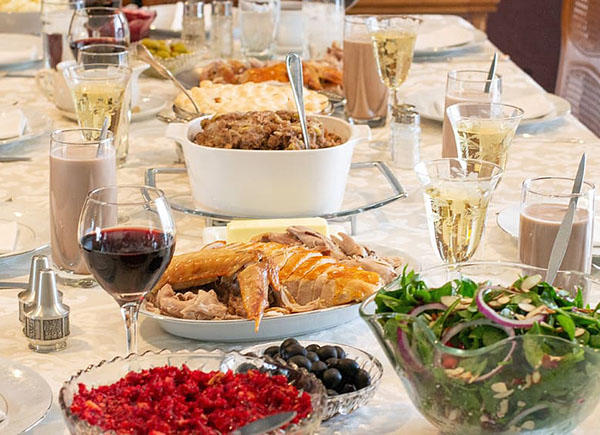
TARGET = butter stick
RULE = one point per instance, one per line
(244, 230)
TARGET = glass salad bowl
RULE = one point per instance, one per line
(533, 382)
(109, 371)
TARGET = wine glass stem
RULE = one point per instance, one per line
(130, 316)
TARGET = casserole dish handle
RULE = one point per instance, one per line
(361, 133)
(177, 131)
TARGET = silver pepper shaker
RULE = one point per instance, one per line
(221, 35)
(47, 322)
(27, 297)
(192, 29)
(405, 136)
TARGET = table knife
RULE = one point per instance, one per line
(14, 159)
(559, 248)
(266, 424)
(6, 284)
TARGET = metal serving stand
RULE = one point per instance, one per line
(345, 215)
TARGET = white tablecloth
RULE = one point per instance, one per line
(96, 326)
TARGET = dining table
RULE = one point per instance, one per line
(545, 149)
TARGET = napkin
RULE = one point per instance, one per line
(9, 232)
(12, 123)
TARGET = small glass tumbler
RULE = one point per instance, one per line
(258, 22)
(221, 37)
(462, 87)
(78, 164)
(323, 25)
(484, 131)
(56, 16)
(193, 26)
(544, 203)
(457, 193)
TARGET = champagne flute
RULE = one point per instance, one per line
(457, 193)
(127, 238)
(484, 131)
(393, 38)
(97, 25)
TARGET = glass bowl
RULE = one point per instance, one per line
(342, 403)
(527, 383)
(109, 371)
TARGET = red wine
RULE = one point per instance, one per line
(127, 262)
(53, 47)
(76, 45)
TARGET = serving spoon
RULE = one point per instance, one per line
(293, 64)
(144, 54)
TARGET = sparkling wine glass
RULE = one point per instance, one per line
(127, 238)
(97, 25)
(457, 193)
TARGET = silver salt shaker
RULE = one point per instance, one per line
(47, 322)
(221, 36)
(405, 136)
(193, 30)
(27, 297)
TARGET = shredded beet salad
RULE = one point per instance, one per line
(173, 400)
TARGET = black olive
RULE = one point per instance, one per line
(271, 351)
(348, 367)
(362, 379)
(347, 388)
(293, 350)
(301, 361)
(326, 352)
(312, 347)
(332, 378)
(332, 362)
(287, 342)
(318, 368)
(244, 367)
(312, 356)
(332, 393)
(341, 353)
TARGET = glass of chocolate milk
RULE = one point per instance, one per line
(78, 165)
(366, 95)
(462, 87)
(544, 202)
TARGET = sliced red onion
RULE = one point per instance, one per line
(491, 314)
(456, 329)
(525, 413)
(433, 306)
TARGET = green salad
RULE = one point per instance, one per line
(479, 357)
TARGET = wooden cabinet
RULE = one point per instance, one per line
(475, 11)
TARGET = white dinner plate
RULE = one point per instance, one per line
(508, 221)
(19, 50)
(25, 397)
(38, 124)
(443, 35)
(148, 107)
(288, 325)
(31, 236)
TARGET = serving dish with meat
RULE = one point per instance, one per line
(269, 182)
(276, 285)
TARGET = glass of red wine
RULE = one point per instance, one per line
(97, 25)
(127, 238)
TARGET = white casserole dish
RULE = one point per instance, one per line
(255, 183)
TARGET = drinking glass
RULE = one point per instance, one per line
(221, 34)
(112, 54)
(258, 22)
(97, 25)
(193, 28)
(544, 203)
(457, 193)
(289, 34)
(56, 16)
(323, 25)
(99, 91)
(127, 237)
(462, 87)
(78, 164)
(366, 95)
(484, 131)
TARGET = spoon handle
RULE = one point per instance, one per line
(293, 64)
(146, 56)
